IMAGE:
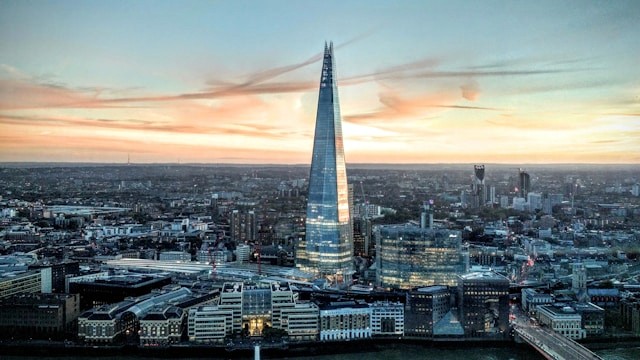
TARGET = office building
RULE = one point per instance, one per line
(251, 308)
(109, 289)
(25, 282)
(243, 226)
(562, 319)
(478, 195)
(409, 256)
(424, 308)
(362, 230)
(328, 247)
(484, 304)
(524, 184)
(59, 273)
(345, 320)
(38, 316)
(387, 318)
(162, 325)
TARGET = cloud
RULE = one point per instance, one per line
(396, 107)
(470, 90)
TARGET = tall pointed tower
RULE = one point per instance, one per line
(328, 247)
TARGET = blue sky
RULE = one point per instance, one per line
(229, 81)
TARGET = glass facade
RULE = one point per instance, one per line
(410, 256)
(328, 247)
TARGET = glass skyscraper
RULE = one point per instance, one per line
(409, 256)
(328, 246)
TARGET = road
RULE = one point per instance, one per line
(554, 345)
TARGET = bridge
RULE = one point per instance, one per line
(552, 345)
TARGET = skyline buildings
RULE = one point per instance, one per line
(328, 246)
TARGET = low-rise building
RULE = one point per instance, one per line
(387, 318)
(532, 298)
(592, 318)
(209, 324)
(162, 325)
(563, 320)
(40, 316)
(301, 322)
(345, 320)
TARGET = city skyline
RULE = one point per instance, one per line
(236, 82)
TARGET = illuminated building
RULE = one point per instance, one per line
(484, 303)
(409, 257)
(328, 246)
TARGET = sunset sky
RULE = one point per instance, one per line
(237, 81)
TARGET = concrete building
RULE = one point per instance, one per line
(243, 226)
(563, 320)
(301, 322)
(209, 324)
(39, 316)
(25, 282)
(59, 273)
(250, 308)
(387, 318)
(346, 320)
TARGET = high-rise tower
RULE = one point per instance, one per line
(479, 191)
(525, 183)
(328, 246)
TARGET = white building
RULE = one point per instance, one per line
(387, 318)
(242, 253)
(345, 321)
(209, 324)
(301, 321)
(563, 320)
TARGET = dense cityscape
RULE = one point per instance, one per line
(158, 200)
(85, 245)
(182, 257)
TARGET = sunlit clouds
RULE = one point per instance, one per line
(419, 88)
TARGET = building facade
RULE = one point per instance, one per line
(563, 320)
(387, 318)
(328, 247)
(424, 308)
(39, 316)
(340, 321)
(409, 256)
(250, 309)
(484, 304)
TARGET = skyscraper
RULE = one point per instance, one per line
(328, 246)
(525, 183)
(479, 192)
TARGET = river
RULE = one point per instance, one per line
(404, 352)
